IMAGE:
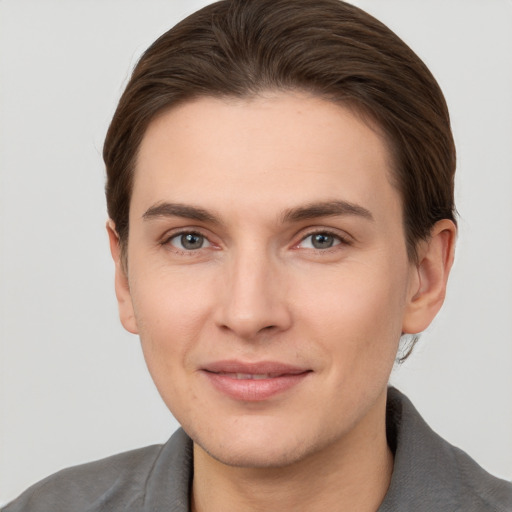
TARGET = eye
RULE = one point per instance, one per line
(321, 240)
(189, 241)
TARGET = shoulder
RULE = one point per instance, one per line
(481, 490)
(119, 482)
(90, 486)
(430, 474)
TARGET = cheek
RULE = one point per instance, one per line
(171, 310)
(357, 312)
(170, 314)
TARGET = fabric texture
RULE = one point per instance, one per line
(429, 475)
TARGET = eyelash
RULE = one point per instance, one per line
(167, 241)
(338, 240)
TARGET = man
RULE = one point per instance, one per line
(280, 192)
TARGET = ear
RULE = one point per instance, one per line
(124, 299)
(429, 277)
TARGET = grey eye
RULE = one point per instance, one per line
(192, 241)
(189, 241)
(320, 241)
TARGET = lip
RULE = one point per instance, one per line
(253, 381)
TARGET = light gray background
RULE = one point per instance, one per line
(73, 385)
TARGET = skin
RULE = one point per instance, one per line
(258, 289)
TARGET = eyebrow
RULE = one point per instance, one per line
(300, 213)
(179, 210)
(326, 209)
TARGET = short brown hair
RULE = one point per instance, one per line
(239, 48)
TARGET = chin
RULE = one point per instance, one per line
(256, 457)
(259, 447)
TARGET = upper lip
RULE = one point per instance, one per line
(273, 368)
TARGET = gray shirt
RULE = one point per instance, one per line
(429, 475)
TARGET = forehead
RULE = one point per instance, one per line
(267, 152)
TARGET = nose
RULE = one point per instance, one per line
(254, 300)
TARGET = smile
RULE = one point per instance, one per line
(253, 382)
(251, 376)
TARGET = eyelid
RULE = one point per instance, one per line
(342, 237)
(166, 238)
(206, 242)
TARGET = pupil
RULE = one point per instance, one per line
(191, 241)
(322, 241)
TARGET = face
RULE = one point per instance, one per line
(267, 274)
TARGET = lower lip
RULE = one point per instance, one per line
(254, 390)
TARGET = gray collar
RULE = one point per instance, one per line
(429, 474)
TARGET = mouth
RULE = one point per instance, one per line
(254, 382)
(250, 376)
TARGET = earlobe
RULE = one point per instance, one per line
(122, 287)
(435, 259)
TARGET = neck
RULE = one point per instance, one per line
(352, 473)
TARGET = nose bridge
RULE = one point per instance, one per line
(254, 298)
